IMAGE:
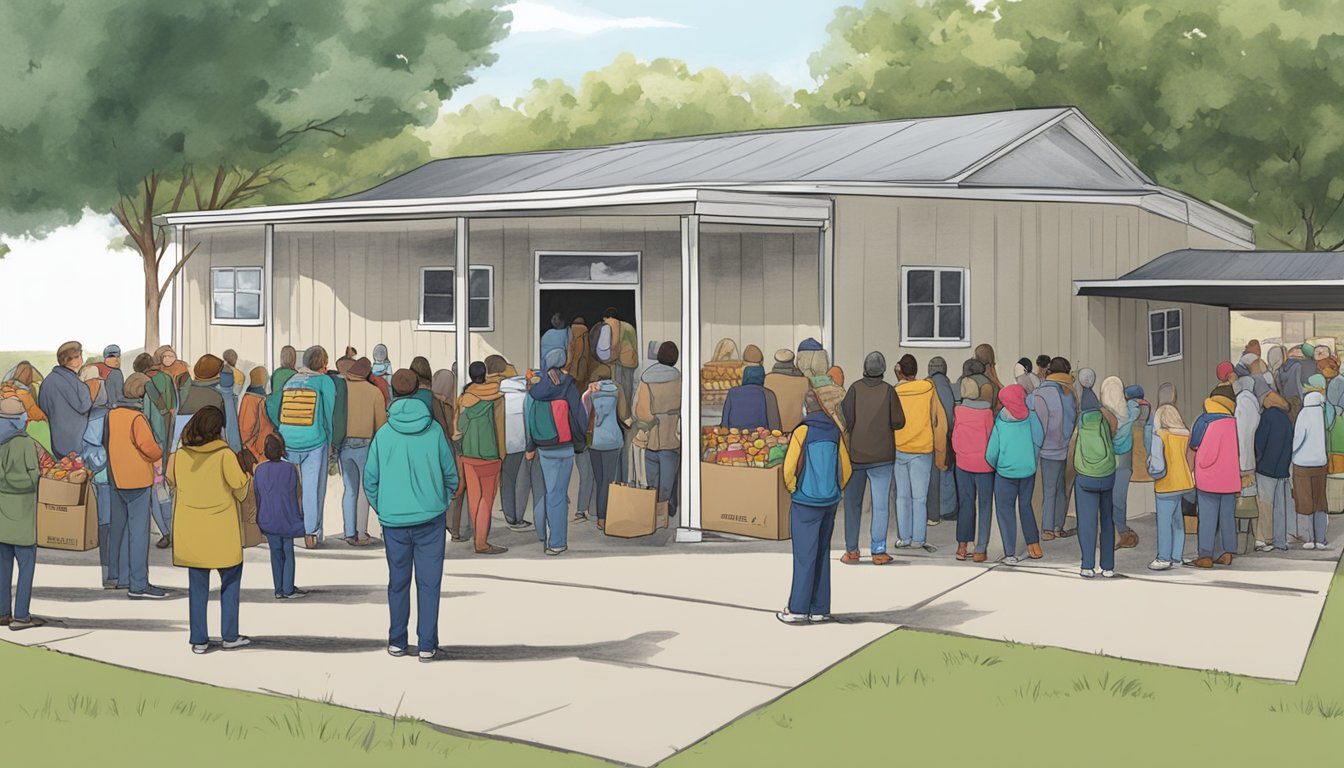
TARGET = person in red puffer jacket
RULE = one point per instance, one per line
(971, 426)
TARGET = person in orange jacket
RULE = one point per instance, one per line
(132, 451)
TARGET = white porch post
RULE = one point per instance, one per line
(461, 305)
(268, 298)
(177, 342)
(827, 256)
(688, 521)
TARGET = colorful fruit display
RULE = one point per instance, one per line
(716, 378)
(760, 447)
(70, 469)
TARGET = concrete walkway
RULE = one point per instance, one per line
(634, 650)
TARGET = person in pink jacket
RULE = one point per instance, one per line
(1217, 480)
(971, 425)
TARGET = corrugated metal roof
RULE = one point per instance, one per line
(923, 150)
(1203, 266)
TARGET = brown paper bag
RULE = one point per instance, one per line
(632, 511)
(247, 513)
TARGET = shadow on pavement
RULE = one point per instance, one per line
(947, 616)
(632, 650)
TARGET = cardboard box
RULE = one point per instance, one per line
(747, 501)
(67, 515)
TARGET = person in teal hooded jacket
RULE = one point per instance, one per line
(410, 479)
(1014, 445)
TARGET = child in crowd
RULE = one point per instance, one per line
(279, 513)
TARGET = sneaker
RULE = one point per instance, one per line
(882, 558)
(1159, 565)
(934, 522)
(1108, 574)
(928, 548)
(242, 641)
(150, 593)
(816, 619)
(428, 656)
(1261, 546)
(5, 620)
(580, 517)
(492, 550)
(1309, 545)
(1010, 560)
(164, 542)
(110, 584)
(395, 652)
(297, 594)
(199, 648)
(520, 526)
(1086, 573)
(792, 618)
(902, 544)
(29, 623)
(1047, 535)
(554, 552)
(851, 558)
(279, 596)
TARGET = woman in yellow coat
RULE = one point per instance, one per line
(207, 527)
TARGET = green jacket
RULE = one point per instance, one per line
(18, 486)
(411, 475)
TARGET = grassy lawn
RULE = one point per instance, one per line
(915, 696)
(42, 360)
(931, 699)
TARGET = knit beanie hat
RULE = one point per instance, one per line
(752, 355)
(784, 356)
(361, 370)
(875, 365)
(937, 365)
(405, 382)
(1087, 378)
(208, 367)
(1133, 392)
(810, 345)
(1224, 370)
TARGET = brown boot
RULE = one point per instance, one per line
(1034, 551)
(882, 558)
(1047, 536)
(1224, 559)
(1126, 540)
(1203, 562)
(961, 550)
(850, 558)
(979, 557)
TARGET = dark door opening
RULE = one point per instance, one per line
(590, 304)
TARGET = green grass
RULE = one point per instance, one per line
(933, 699)
(63, 710)
(43, 360)
(918, 697)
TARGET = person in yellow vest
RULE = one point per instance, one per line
(1173, 481)
(921, 445)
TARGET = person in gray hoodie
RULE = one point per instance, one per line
(944, 501)
(1057, 410)
(872, 414)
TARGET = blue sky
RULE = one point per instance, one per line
(565, 38)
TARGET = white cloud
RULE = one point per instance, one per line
(529, 16)
(68, 285)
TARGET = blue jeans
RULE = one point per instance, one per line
(1009, 491)
(27, 557)
(313, 477)
(130, 521)
(537, 486)
(976, 490)
(912, 495)
(355, 503)
(663, 470)
(198, 596)
(417, 548)
(104, 495)
(879, 475)
(606, 470)
(1054, 494)
(583, 462)
(1124, 470)
(1318, 526)
(943, 486)
(1276, 494)
(282, 563)
(1217, 519)
(811, 529)
(1093, 497)
(1170, 527)
(163, 511)
(557, 467)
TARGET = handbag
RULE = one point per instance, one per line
(247, 518)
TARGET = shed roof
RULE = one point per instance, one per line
(1243, 280)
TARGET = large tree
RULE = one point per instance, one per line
(138, 107)
(624, 101)
(1239, 101)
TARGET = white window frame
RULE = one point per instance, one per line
(260, 292)
(1148, 333)
(422, 325)
(948, 343)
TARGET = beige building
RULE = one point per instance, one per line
(926, 236)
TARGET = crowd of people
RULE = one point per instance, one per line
(203, 451)
(196, 449)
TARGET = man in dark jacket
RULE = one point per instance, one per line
(943, 496)
(872, 414)
(66, 400)
(1273, 469)
(750, 405)
(556, 425)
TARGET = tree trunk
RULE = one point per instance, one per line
(153, 302)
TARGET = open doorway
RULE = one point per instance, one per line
(588, 303)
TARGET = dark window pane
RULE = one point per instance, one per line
(438, 309)
(597, 268)
(949, 322)
(479, 287)
(223, 304)
(223, 279)
(949, 288)
(249, 279)
(1155, 321)
(1173, 318)
(248, 306)
(920, 322)
(439, 281)
(478, 312)
(919, 286)
(1159, 345)
(1174, 342)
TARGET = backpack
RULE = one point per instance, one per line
(1094, 456)
(479, 439)
(548, 421)
(605, 332)
(298, 403)
(515, 428)
(1066, 403)
(820, 470)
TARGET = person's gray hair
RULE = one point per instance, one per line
(315, 357)
(1087, 378)
(937, 365)
(874, 365)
